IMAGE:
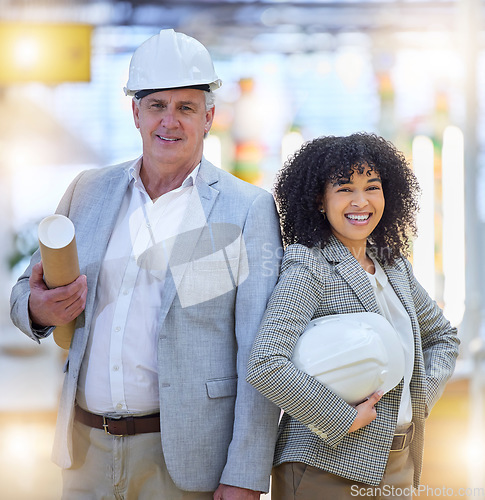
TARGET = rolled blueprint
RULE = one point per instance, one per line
(58, 251)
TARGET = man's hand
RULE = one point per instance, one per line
(366, 412)
(58, 306)
(225, 492)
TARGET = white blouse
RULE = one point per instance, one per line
(393, 310)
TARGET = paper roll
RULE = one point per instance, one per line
(58, 251)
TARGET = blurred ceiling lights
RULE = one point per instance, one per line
(254, 15)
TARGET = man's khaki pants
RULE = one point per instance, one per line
(120, 468)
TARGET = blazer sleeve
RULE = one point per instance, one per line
(299, 292)
(19, 304)
(250, 453)
(19, 297)
(439, 340)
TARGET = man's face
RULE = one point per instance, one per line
(172, 125)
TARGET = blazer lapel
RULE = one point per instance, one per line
(351, 271)
(399, 280)
(194, 223)
(108, 211)
(100, 222)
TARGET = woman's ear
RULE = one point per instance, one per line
(321, 203)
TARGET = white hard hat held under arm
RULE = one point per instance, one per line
(171, 60)
(353, 354)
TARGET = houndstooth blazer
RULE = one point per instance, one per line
(314, 428)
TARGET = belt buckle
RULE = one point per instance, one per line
(403, 435)
(106, 428)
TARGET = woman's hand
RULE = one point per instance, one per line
(366, 412)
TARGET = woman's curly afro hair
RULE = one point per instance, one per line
(301, 183)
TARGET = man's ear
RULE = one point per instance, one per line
(209, 118)
(136, 111)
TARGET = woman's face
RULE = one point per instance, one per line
(354, 206)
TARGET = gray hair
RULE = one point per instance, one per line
(210, 100)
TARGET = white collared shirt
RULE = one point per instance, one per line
(119, 372)
(393, 310)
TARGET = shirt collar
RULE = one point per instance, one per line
(134, 173)
(379, 277)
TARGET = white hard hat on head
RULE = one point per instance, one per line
(171, 60)
(353, 354)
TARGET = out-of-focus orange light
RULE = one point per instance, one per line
(47, 53)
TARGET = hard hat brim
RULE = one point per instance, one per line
(139, 94)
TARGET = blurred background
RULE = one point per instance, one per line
(412, 71)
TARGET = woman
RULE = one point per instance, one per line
(347, 207)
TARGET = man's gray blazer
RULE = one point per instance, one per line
(317, 283)
(215, 427)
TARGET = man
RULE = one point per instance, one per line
(178, 259)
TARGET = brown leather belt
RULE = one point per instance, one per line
(125, 426)
(403, 439)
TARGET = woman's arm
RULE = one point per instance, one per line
(297, 295)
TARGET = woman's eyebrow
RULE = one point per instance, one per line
(340, 182)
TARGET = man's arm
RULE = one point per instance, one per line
(33, 306)
(251, 451)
